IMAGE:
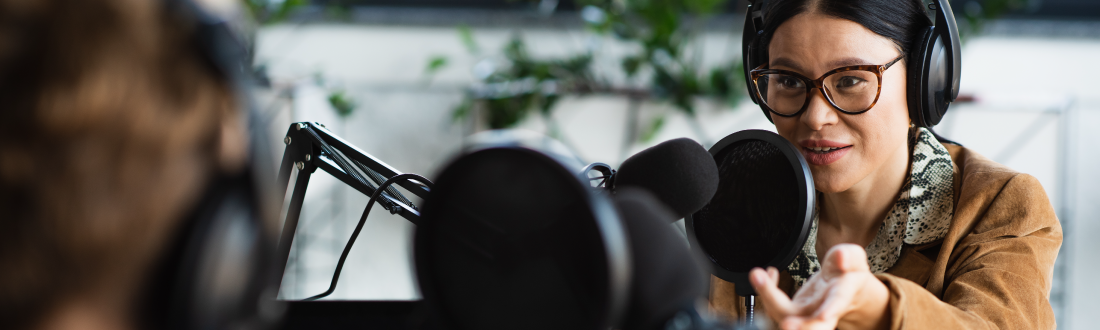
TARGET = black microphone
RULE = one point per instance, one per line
(679, 172)
(668, 278)
(762, 213)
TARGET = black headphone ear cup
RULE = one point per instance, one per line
(930, 80)
(748, 37)
(938, 83)
(213, 273)
(934, 68)
(917, 72)
(221, 267)
(751, 54)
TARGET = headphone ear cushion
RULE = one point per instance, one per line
(938, 80)
(752, 56)
(212, 274)
(917, 71)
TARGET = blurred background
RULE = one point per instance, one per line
(407, 80)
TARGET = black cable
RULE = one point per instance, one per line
(359, 227)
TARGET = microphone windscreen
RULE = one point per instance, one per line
(680, 173)
(667, 277)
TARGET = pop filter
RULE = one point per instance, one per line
(512, 237)
(761, 214)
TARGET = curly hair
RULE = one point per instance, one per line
(113, 124)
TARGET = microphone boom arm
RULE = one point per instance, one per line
(311, 146)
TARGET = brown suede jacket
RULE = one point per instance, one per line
(993, 270)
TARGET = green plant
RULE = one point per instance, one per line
(976, 13)
(509, 90)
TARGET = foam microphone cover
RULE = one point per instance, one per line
(667, 277)
(680, 173)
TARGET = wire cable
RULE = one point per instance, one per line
(359, 227)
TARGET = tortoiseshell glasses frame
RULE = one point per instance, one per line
(819, 84)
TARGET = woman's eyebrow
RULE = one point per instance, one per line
(849, 61)
(783, 61)
(843, 62)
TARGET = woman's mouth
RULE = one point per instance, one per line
(823, 152)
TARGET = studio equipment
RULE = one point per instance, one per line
(311, 146)
(679, 172)
(513, 235)
(761, 214)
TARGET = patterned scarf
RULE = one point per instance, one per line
(921, 215)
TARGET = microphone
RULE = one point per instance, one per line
(679, 172)
(762, 213)
(512, 236)
(668, 277)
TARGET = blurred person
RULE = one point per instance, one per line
(916, 233)
(114, 124)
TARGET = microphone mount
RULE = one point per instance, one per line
(607, 175)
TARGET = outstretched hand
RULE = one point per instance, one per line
(843, 295)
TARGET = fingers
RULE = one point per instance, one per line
(840, 298)
(830, 295)
(775, 301)
(845, 258)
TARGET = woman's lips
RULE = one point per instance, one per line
(823, 152)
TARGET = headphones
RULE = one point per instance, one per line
(219, 271)
(933, 63)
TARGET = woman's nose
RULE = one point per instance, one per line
(819, 113)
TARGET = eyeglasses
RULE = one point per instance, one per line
(852, 89)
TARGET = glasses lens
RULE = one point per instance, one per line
(782, 93)
(852, 91)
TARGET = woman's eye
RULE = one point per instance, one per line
(789, 82)
(849, 82)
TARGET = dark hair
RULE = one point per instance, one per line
(901, 21)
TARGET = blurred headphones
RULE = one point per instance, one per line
(934, 61)
(219, 271)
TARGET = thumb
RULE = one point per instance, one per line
(845, 258)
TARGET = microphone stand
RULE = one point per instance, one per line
(750, 304)
(311, 146)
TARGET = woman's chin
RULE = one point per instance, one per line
(828, 180)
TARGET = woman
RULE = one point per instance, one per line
(915, 233)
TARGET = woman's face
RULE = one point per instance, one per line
(859, 149)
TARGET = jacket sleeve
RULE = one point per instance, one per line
(999, 273)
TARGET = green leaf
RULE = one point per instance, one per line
(654, 127)
(461, 111)
(340, 102)
(467, 37)
(631, 64)
(435, 63)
